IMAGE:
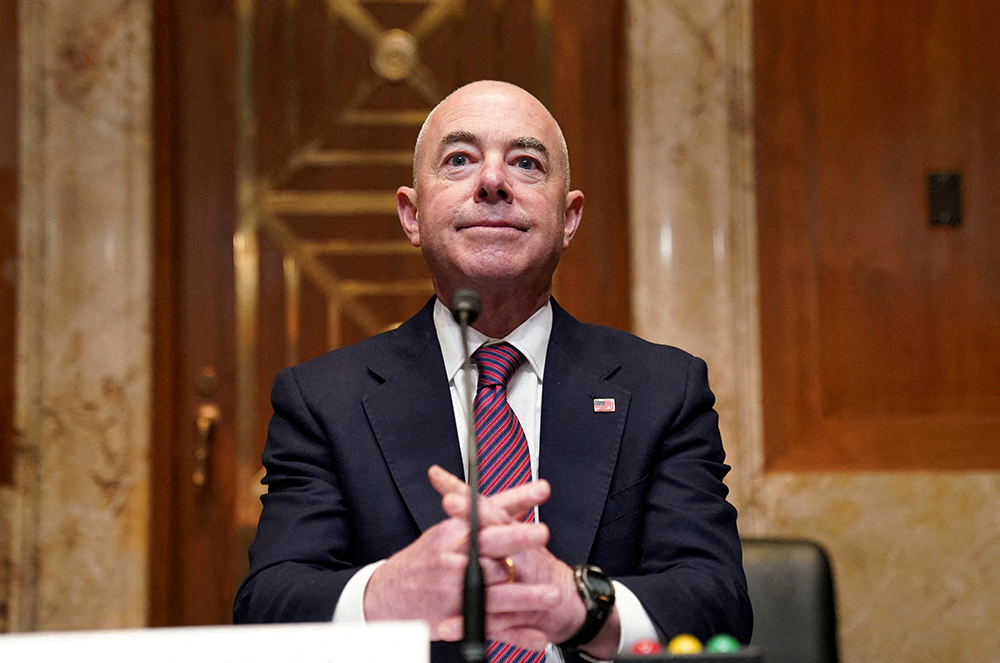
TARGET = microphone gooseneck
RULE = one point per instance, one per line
(465, 308)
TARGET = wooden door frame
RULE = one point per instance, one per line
(9, 109)
(182, 85)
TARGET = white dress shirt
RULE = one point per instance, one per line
(524, 393)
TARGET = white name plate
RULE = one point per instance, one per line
(382, 642)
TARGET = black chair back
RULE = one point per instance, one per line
(791, 588)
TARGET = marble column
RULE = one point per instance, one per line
(694, 256)
(79, 508)
(914, 553)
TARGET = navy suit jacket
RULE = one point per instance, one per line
(637, 491)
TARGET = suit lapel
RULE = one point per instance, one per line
(412, 418)
(579, 447)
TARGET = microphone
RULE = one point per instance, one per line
(465, 308)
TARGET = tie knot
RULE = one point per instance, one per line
(497, 363)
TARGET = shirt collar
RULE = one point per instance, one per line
(531, 337)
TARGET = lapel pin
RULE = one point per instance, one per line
(604, 405)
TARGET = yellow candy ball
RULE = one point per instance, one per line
(684, 644)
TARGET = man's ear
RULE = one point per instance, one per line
(574, 213)
(406, 207)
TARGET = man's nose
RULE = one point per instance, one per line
(493, 184)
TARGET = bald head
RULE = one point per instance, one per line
(491, 208)
(485, 94)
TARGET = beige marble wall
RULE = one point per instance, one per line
(76, 519)
(915, 554)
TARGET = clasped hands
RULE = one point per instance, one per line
(425, 579)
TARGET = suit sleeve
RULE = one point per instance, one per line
(690, 575)
(300, 559)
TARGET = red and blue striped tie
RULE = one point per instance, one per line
(503, 453)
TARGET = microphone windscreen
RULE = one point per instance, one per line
(465, 306)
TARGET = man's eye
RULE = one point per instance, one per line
(457, 160)
(527, 163)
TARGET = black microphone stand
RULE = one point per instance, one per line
(465, 308)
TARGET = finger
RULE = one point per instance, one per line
(451, 629)
(451, 535)
(499, 541)
(444, 482)
(517, 501)
(456, 505)
(517, 597)
(508, 506)
(455, 562)
(495, 571)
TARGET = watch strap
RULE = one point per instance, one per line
(597, 602)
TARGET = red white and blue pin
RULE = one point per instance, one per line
(604, 405)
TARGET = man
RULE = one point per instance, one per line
(365, 518)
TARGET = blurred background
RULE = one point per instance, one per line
(804, 193)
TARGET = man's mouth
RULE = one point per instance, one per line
(499, 224)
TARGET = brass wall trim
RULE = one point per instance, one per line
(331, 158)
(339, 247)
(328, 202)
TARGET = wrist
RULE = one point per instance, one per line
(607, 643)
(600, 625)
(350, 606)
(371, 600)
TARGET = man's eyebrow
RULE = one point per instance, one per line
(524, 142)
(458, 137)
(529, 142)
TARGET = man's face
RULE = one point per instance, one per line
(490, 206)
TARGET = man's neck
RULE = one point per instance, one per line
(502, 312)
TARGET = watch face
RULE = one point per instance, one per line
(599, 583)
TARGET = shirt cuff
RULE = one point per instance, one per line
(351, 604)
(635, 622)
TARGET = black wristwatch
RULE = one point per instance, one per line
(598, 596)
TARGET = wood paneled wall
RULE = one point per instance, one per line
(593, 281)
(880, 332)
(8, 228)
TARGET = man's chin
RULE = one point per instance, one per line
(504, 276)
(496, 267)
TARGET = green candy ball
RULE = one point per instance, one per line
(722, 643)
